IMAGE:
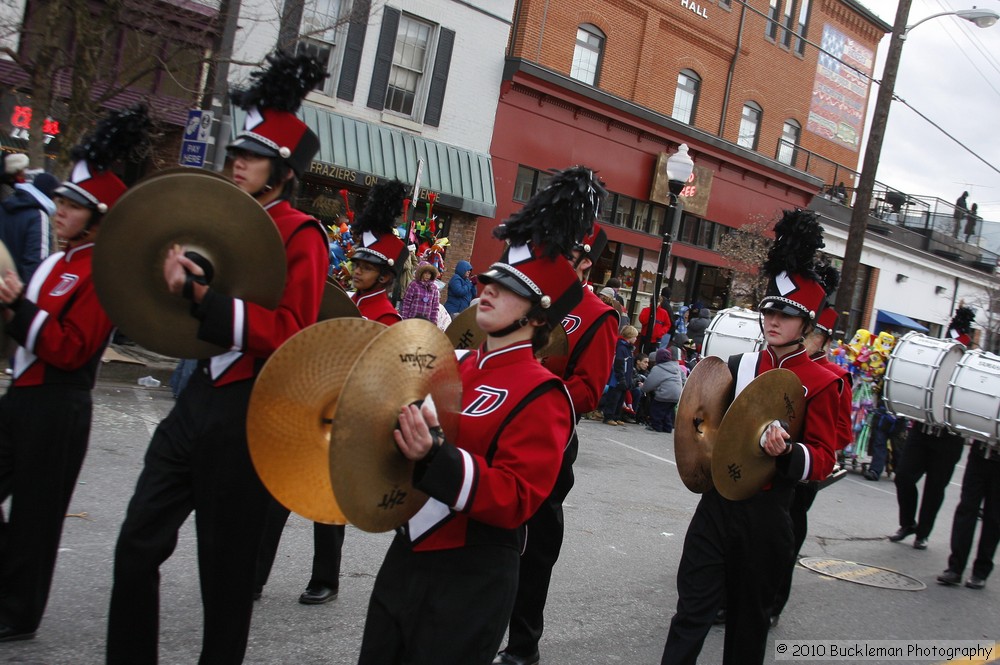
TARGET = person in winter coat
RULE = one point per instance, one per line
(655, 325)
(665, 382)
(697, 327)
(622, 376)
(24, 223)
(461, 289)
(422, 296)
(681, 322)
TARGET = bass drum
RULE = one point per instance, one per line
(972, 405)
(916, 378)
(732, 331)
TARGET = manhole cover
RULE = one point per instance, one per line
(862, 573)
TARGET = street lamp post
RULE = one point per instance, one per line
(982, 18)
(679, 168)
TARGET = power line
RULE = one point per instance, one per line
(942, 130)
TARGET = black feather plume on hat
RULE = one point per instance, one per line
(282, 84)
(559, 216)
(119, 135)
(797, 236)
(829, 277)
(962, 321)
(383, 205)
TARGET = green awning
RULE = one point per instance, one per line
(353, 150)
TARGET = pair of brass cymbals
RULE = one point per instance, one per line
(323, 411)
(716, 442)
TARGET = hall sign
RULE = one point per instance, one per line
(695, 8)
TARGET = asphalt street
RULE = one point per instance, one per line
(614, 589)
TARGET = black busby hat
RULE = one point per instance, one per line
(544, 233)
(271, 127)
(118, 135)
(960, 328)
(375, 227)
(794, 287)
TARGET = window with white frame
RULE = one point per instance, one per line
(686, 96)
(750, 125)
(773, 11)
(408, 62)
(803, 27)
(587, 54)
(787, 148)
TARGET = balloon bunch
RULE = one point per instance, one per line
(866, 356)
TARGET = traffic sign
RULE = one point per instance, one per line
(197, 133)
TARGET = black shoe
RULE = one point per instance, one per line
(920, 544)
(720, 617)
(903, 532)
(950, 578)
(507, 658)
(871, 475)
(976, 582)
(10, 634)
(774, 621)
(317, 595)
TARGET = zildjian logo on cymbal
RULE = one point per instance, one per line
(421, 361)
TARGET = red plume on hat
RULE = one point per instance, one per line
(121, 134)
(376, 226)
(271, 127)
(542, 235)
(794, 287)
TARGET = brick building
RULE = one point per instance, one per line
(618, 84)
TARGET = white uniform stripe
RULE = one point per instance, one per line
(239, 323)
(34, 329)
(468, 473)
(807, 467)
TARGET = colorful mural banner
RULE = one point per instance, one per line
(839, 91)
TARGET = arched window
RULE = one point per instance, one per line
(750, 125)
(788, 146)
(588, 54)
(686, 96)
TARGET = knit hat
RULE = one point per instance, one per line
(607, 292)
(271, 127)
(14, 162)
(119, 135)
(46, 183)
(794, 287)
(663, 355)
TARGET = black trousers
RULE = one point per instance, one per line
(328, 541)
(544, 540)
(198, 460)
(43, 439)
(661, 415)
(734, 552)
(803, 496)
(445, 607)
(933, 456)
(980, 486)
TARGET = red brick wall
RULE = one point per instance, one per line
(648, 43)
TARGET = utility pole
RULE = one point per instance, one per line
(866, 181)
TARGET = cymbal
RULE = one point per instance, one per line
(336, 303)
(293, 398)
(740, 468)
(464, 332)
(703, 402)
(203, 213)
(401, 365)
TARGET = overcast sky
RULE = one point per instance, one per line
(950, 72)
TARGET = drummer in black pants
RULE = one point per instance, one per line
(931, 451)
(980, 487)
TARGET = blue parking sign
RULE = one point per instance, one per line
(197, 131)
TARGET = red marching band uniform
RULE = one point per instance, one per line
(61, 330)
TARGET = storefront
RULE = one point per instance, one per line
(546, 121)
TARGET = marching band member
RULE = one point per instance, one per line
(377, 261)
(379, 255)
(930, 452)
(447, 584)
(61, 330)
(198, 458)
(805, 493)
(591, 330)
(727, 538)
